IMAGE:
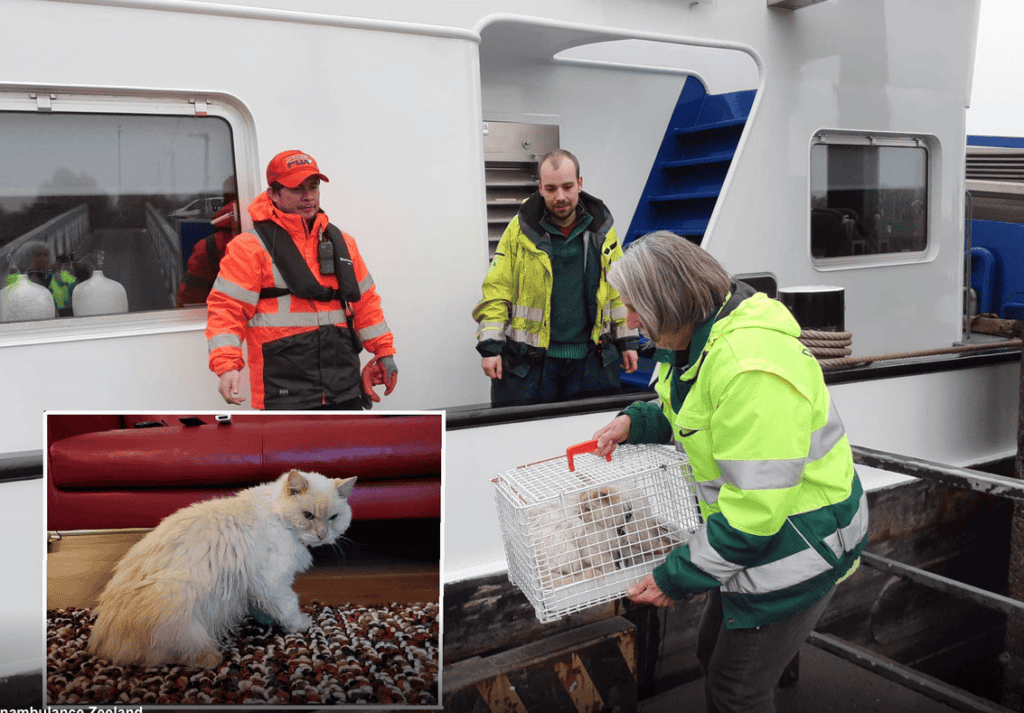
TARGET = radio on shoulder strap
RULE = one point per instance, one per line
(300, 279)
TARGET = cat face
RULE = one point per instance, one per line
(605, 507)
(316, 507)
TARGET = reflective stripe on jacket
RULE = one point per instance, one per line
(516, 303)
(785, 516)
(300, 352)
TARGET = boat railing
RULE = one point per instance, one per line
(964, 478)
(21, 465)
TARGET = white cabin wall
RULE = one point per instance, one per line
(22, 645)
(393, 113)
(612, 120)
(867, 80)
(403, 150)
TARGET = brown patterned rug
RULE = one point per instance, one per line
(363, 655)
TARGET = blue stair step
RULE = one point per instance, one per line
(716, 127)
(715, 158)
(680, 197)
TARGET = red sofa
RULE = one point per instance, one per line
(107, 471)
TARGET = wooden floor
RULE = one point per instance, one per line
(79, 565)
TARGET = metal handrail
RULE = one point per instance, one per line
(906, 676)
(964, 478)
(21, 465)
(967, 478)
(987, 599)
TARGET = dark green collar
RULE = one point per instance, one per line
(680, 388)
(700, 337)
(583, 220)
(697, 342)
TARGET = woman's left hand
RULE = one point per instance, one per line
(647, 591)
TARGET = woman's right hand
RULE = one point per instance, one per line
(612, 435)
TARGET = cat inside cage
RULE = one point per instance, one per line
(577, 537)
(596, 532)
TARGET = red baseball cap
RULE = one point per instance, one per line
(290, 168)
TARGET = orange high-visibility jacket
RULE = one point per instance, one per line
(300, 351)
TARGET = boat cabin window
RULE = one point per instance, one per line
(869, 196)
(101, 212)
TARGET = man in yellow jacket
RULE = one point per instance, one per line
(550, 325)
(300, 295)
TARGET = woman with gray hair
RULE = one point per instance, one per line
(784, 514)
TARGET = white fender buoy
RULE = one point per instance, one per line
(98, 295)
(25, 301)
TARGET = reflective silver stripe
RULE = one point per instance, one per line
(706, 557)
(492, 330)
(235, 292)
(769, 577)
(533, 314)
(707, 491)
(365, 284)
(297, 319)
(372, 331)
(521, 335)
(780, 574)
(762, 474)
(826, 437)
(619, 313)
(224, 340)
(847, 538)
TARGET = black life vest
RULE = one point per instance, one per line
(295, 271)
(300, 279)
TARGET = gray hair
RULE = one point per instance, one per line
(669, 282)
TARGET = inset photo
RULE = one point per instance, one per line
(247, 559)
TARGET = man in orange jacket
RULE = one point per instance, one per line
(300, 295)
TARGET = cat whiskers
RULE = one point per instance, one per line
(338, 542)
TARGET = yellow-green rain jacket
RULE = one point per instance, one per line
(516, 304)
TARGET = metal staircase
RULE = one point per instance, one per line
(691, 164)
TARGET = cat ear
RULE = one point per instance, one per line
(296, 484)
(345, 486)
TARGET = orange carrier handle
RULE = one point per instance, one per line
(585, 447)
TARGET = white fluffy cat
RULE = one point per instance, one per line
(186, 585)
(594, 533)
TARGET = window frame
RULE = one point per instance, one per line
(109, 100)
(834, 137)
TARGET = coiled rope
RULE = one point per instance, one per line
(827, 344)
(836, 361)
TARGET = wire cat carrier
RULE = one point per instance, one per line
(581, 533)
